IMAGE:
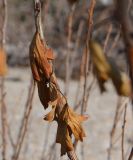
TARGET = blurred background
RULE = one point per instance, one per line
(39, 140)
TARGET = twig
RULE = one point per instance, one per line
(122, 16)
(4, 23)
(79, 32)
(3, 106)
(86, 55)
(9, 134)
(37, 14)
(120, 104)
(3, 121)
(104, 22)
(24, 123)
(107, 38)
(69, 38)
(86, 51)
(123, 132)
(114, 42)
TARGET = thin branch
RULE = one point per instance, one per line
(24, 123)
(107, 38)
(3, 121)
(2, 92)
(37, 14)
(123, 132)
(122, 16)
(120, 104)
(115, 41)
(69, 39)
(86, 52)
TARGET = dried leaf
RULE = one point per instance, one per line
(47, 93)
(3, 65)
(50, 116)
(101, 67)
(64, 137)
(69, 123)
(39, 58)
(120, 80)
(106, 68)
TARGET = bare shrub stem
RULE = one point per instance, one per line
(69, 38)
(123, 132)
(2, 80)
(24, 123)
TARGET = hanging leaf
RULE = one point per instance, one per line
(101, 66)
(105, 68)
(120, 80)
(3, 65)
(39, 59)
(50, 95)
(69, 123)
(50, 116)
(47, 93)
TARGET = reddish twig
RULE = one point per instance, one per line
(24, 123)
(86, 52)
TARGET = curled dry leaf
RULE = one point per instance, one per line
(106, 68)
(39, 59)
(3, 65)
(50, 95)
(120, 80)
(47, 94)
(101, 66)
(69, 123)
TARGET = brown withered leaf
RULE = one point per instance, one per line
(105, 68)
(101, 66)
(3, 65)
(64, 137)
(120, 80)
(50, 95)
(69, 123)
(51, 115)
(47, 94)
(39, 59)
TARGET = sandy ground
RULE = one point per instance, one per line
(41, 134)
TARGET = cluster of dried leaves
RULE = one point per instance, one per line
(105, 69)
(3, 65)
(50, 95)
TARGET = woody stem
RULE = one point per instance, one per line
(37, 14)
